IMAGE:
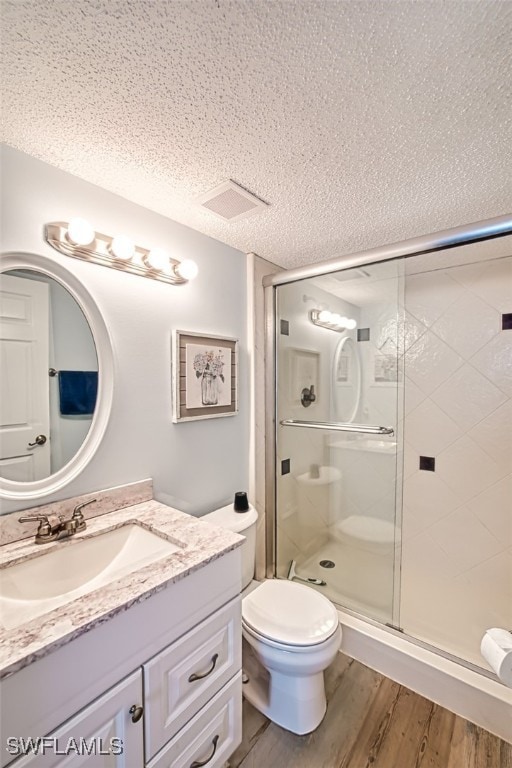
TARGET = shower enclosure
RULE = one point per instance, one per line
(391, 435)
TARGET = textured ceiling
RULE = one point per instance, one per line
(361, 123)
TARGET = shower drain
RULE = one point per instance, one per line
(327, 563)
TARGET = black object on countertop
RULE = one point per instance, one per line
(241, 502)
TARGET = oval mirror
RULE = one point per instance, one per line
(56, 385)
(346, 380)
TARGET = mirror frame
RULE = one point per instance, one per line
(34, 490)
(342, 343)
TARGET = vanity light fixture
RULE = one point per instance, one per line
(79, 240)
(331, 320)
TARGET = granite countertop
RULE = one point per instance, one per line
(201, 543)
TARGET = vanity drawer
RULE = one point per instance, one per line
(184, 677)
(215, 732)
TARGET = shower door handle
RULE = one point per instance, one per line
(339, 426)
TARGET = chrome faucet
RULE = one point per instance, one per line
(63, 529)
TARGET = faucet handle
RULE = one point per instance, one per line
(77, 515)
(44, 528)
(77, 512)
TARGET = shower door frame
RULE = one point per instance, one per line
(479, 231)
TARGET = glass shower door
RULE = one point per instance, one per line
(340, 347)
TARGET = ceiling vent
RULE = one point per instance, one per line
(350, 274)
(231, 202)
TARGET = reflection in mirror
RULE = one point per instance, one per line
(346, 380)
(44, 419)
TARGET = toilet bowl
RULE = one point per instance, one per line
(290, 636)
(294, 635)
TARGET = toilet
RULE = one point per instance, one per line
(291, 635)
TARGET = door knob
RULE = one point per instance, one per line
(136, 713)
(40, 440)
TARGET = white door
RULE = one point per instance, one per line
(24, 384)
(106, 734)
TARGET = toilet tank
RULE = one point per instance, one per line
(243, 523)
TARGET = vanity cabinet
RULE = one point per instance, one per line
(195, 682)
(177, 654)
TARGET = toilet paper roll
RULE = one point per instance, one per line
(496, 648)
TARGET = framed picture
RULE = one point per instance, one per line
(346, 380)
(343, 369)
(205, 376)
(387, 366)
(386, 369)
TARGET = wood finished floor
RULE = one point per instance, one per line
(371, 722)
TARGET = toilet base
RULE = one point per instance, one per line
(297, 704)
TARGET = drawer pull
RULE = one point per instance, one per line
(195, 676)
(136, 713)
(200, 763)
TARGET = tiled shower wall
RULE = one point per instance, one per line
(456, 576)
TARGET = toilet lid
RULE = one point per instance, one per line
(289, 613)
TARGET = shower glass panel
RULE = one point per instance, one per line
(339, 406)
(394, 441)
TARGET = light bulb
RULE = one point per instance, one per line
(351, 324)
(336, 319)
(324, 316)
(187, 269)
(122, 248)
(80, 232)
(157, 259)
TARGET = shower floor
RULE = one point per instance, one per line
(361, 581)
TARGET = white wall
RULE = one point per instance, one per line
(195, 466)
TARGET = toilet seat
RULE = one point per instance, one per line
(286, 647)
(284, 613)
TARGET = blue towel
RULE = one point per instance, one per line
(77, 392)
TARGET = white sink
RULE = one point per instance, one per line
(71, 569)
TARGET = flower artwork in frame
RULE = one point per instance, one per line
(205, 376)
(387, 370)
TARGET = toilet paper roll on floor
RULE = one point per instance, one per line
(496, 648)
